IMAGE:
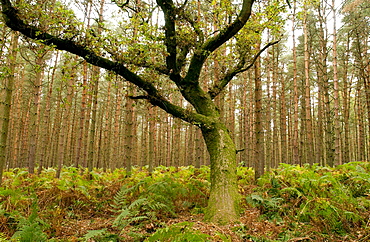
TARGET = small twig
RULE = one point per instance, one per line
(139, 97)
(240, 150)
(258, 55)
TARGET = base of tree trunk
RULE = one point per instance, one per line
(223, 203)
(223, 207)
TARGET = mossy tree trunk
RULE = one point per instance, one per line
(223, 206)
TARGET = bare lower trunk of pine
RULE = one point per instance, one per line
(223, 203)
(6, 99)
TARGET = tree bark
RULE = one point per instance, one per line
(308, 119)
(117, 131)
(337, 125)
(346, 103)
(152, 139)
(46, 120)
(129, 132)
(6, 99)
(259, 133)
(295, 144)
(223, 205)
(35, 111)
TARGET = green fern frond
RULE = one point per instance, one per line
(30, 231)
(93, 234)
(121, 197)
(178, 233)
(137, 219)
(3, 238)
(157, 206)
(120, 219)
(138, 203)
(292, 191)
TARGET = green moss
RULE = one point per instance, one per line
(223, 204)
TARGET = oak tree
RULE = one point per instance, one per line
(174, 51)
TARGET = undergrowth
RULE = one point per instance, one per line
(180, 232)
(146, 203)
(42, 203)
(294, 203)
(332, 201)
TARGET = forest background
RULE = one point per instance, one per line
(311, 92)
(289, 79)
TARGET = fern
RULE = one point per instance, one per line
(121, 198)
(93, 234)
(30, 230)
(292, 192)
(139, 210)
(147, 200)
(100, 235)
(121, 219)
(138, 203)
(3, 238)
(331, 198)
(137, 219)
(269, 207)
(181, 232)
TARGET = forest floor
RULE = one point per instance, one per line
(71, 230)
(291, 203)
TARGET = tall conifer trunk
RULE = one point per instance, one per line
(6, 96)
(307, 98)
(259, 133)
(337, 124)
(296, 158)
(35, 112)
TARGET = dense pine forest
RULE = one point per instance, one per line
(110, 103)
(312, 86)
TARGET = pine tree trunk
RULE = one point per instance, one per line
(6, 98)
(259, 133)
(34, 114)
(94, 106)
(117, 125)
(346, 105)
(79, 157)
(198, 148)
(65, 122)
(308, 119)
(295, 144)
(129, 134)
(169, 141)
(46, 120)
(108, 137)
(152, 138)
(337, 126)
(360, 146)
(283, 124)
(276, 157)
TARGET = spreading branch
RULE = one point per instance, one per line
(13, 21)
(224, 81)
(209, 46)
(168, 9)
